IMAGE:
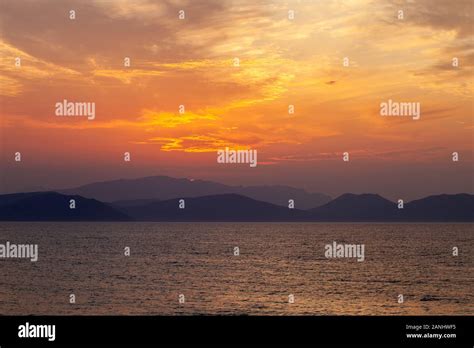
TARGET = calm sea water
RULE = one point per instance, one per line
(276, 260)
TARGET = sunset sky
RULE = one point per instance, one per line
(282, 62)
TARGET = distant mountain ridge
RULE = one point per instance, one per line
(225, 207)
(459, 207)
(353, 207)
(53, 206)
(165, 187)
(373, 207)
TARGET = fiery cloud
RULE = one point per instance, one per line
(281, 62)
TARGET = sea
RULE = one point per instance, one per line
(138, 268)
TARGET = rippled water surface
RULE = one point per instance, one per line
(276, 260)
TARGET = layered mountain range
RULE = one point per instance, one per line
(163, 198)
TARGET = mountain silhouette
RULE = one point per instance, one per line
(53, 206)
(226, 207)
(133, 202)
(372, 207)
(165, 188)
(356, 207)
(458, 207)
